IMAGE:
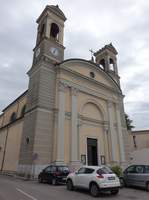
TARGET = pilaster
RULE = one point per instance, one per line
(120, 135)
(112, 131)
(74, 132)
(61, 122)
(106, 143)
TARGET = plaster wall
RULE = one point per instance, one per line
(13, 146)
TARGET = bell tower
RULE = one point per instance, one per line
(50, 35)
(107, 60)
(38, 129)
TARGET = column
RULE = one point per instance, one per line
(61, 121)
(120, 134)
(74, 129)
(112, 131)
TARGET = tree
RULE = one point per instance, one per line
(129, 123)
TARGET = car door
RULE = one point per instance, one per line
(129, 175)
(79, 177)
(46, 173)
(146, 174)
(139, 177)
(87, 177)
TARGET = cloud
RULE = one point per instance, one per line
(90, 24)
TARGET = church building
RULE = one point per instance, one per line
(72, 112)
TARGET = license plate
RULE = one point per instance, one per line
(111, 178)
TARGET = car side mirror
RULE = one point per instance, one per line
(76, 173)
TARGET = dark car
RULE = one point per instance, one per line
(136, 175)
(54, 174)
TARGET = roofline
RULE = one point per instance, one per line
(109, 47)
(90, 62)
(23, 94)
(50, 8)
(138, 131)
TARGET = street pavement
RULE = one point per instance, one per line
(16, 189)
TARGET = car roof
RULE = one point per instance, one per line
(57, 166)
(138, 165)
(94, 167)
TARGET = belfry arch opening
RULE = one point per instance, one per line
(102, 64)
(54, 33)
(111, 64)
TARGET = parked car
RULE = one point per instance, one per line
(54, 174)
(136, 175)
(95, 179)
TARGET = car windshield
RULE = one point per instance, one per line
(104, 170)
(63, 169)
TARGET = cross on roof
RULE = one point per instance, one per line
(92, 52)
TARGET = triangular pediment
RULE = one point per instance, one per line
(91, 71)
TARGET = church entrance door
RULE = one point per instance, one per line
(92, 155)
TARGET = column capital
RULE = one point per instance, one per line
(74, 91)
(62, 86)
(110, 103)
(106, 128)
(80, 122)
(117, 106)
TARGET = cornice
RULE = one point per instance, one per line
(12, 123)
(88, 91)
(95, 65)
(78, 75)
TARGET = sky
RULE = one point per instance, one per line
(90, 24)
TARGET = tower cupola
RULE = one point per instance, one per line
(107, 60)
(50, 34)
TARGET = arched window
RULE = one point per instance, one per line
(23, 111)
(111, 63)
(102, 64)
(13, 117)
(54, 31)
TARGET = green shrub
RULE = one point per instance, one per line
(117, 170)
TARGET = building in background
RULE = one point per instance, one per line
(139, 147)
(72, 112)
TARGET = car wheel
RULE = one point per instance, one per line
(94, 190)
(69, 185)
(122, 182)
(114, 192)
(54, 181)
(40, 179)
(147, 187)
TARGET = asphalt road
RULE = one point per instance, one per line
(15, 189)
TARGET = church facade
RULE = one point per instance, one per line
(72, 112)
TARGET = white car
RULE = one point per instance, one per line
(95, 179)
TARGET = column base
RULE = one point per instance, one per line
(58, 162)
(75, 165)
(124, 164)
(31, 171)
(112, 163)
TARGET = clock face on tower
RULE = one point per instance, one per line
(54, 51)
